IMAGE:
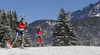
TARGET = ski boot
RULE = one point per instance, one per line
(42, 45)
(37, 45)
(22, 46)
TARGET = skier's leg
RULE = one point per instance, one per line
(15, 39)
(22, 36)
(22, 45)
(41, 41)
(38, 41)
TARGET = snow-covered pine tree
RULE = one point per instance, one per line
(63, 34)
(2, 28)
(12, 20)
(72, 37)
(6, 28)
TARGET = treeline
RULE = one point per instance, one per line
(7, 26)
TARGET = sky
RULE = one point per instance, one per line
(42, 9)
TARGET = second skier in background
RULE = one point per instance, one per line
(39, 37)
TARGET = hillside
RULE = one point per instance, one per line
(78, 50)
(87, 30)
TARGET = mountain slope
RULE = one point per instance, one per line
(87, 11)
(78, 50)
(88, 30)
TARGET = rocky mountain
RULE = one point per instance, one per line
(88, 11)
(87, 29)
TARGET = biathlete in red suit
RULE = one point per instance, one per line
(22, 26)
(39, 37)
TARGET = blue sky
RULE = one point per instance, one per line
(42, 9)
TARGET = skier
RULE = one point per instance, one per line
(22, 27)
(39, 37)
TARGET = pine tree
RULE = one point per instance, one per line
(15, 14)
(63, 34)
(5, 27)
(12, 24)
(14, 20)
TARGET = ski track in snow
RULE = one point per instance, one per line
(69, 50)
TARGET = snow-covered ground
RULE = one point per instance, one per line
(69, 50)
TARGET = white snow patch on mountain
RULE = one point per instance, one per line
(97, 15)
(69, 50)
(51, 23)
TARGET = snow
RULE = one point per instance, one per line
(50, 23)
(69, 50)
(97, 15)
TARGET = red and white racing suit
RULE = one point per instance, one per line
(39, 37)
